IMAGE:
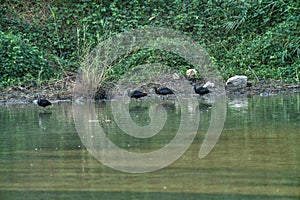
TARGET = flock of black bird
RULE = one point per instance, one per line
(164, 91)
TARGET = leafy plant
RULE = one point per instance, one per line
(20, 62)
(259, 39)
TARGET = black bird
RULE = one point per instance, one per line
(136, 94)
(163, 91)
(43, 102)
(201, 90)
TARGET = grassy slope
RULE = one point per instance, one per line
(44, 39)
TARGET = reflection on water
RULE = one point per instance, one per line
(257, 155)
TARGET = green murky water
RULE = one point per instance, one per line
(256, 157)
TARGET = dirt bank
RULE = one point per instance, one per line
(23, 95)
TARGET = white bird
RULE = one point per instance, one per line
(237, 81)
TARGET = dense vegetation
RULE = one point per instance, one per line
(41, 40)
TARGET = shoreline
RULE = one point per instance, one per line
(19, 95)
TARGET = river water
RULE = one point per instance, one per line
(257, 156)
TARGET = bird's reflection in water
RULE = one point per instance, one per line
(204, 107)
(168, 105)
(138, 108)
(42, 117)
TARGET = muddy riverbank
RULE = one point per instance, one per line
(23, 95)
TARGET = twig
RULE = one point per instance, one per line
(254, 74)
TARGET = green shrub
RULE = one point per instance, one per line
(258, 38)
(272, 54)
(20, 62)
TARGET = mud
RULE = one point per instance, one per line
(23, 95)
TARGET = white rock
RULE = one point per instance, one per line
(237, 81)
(191, 72)
(176, 76)
(209, 84)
